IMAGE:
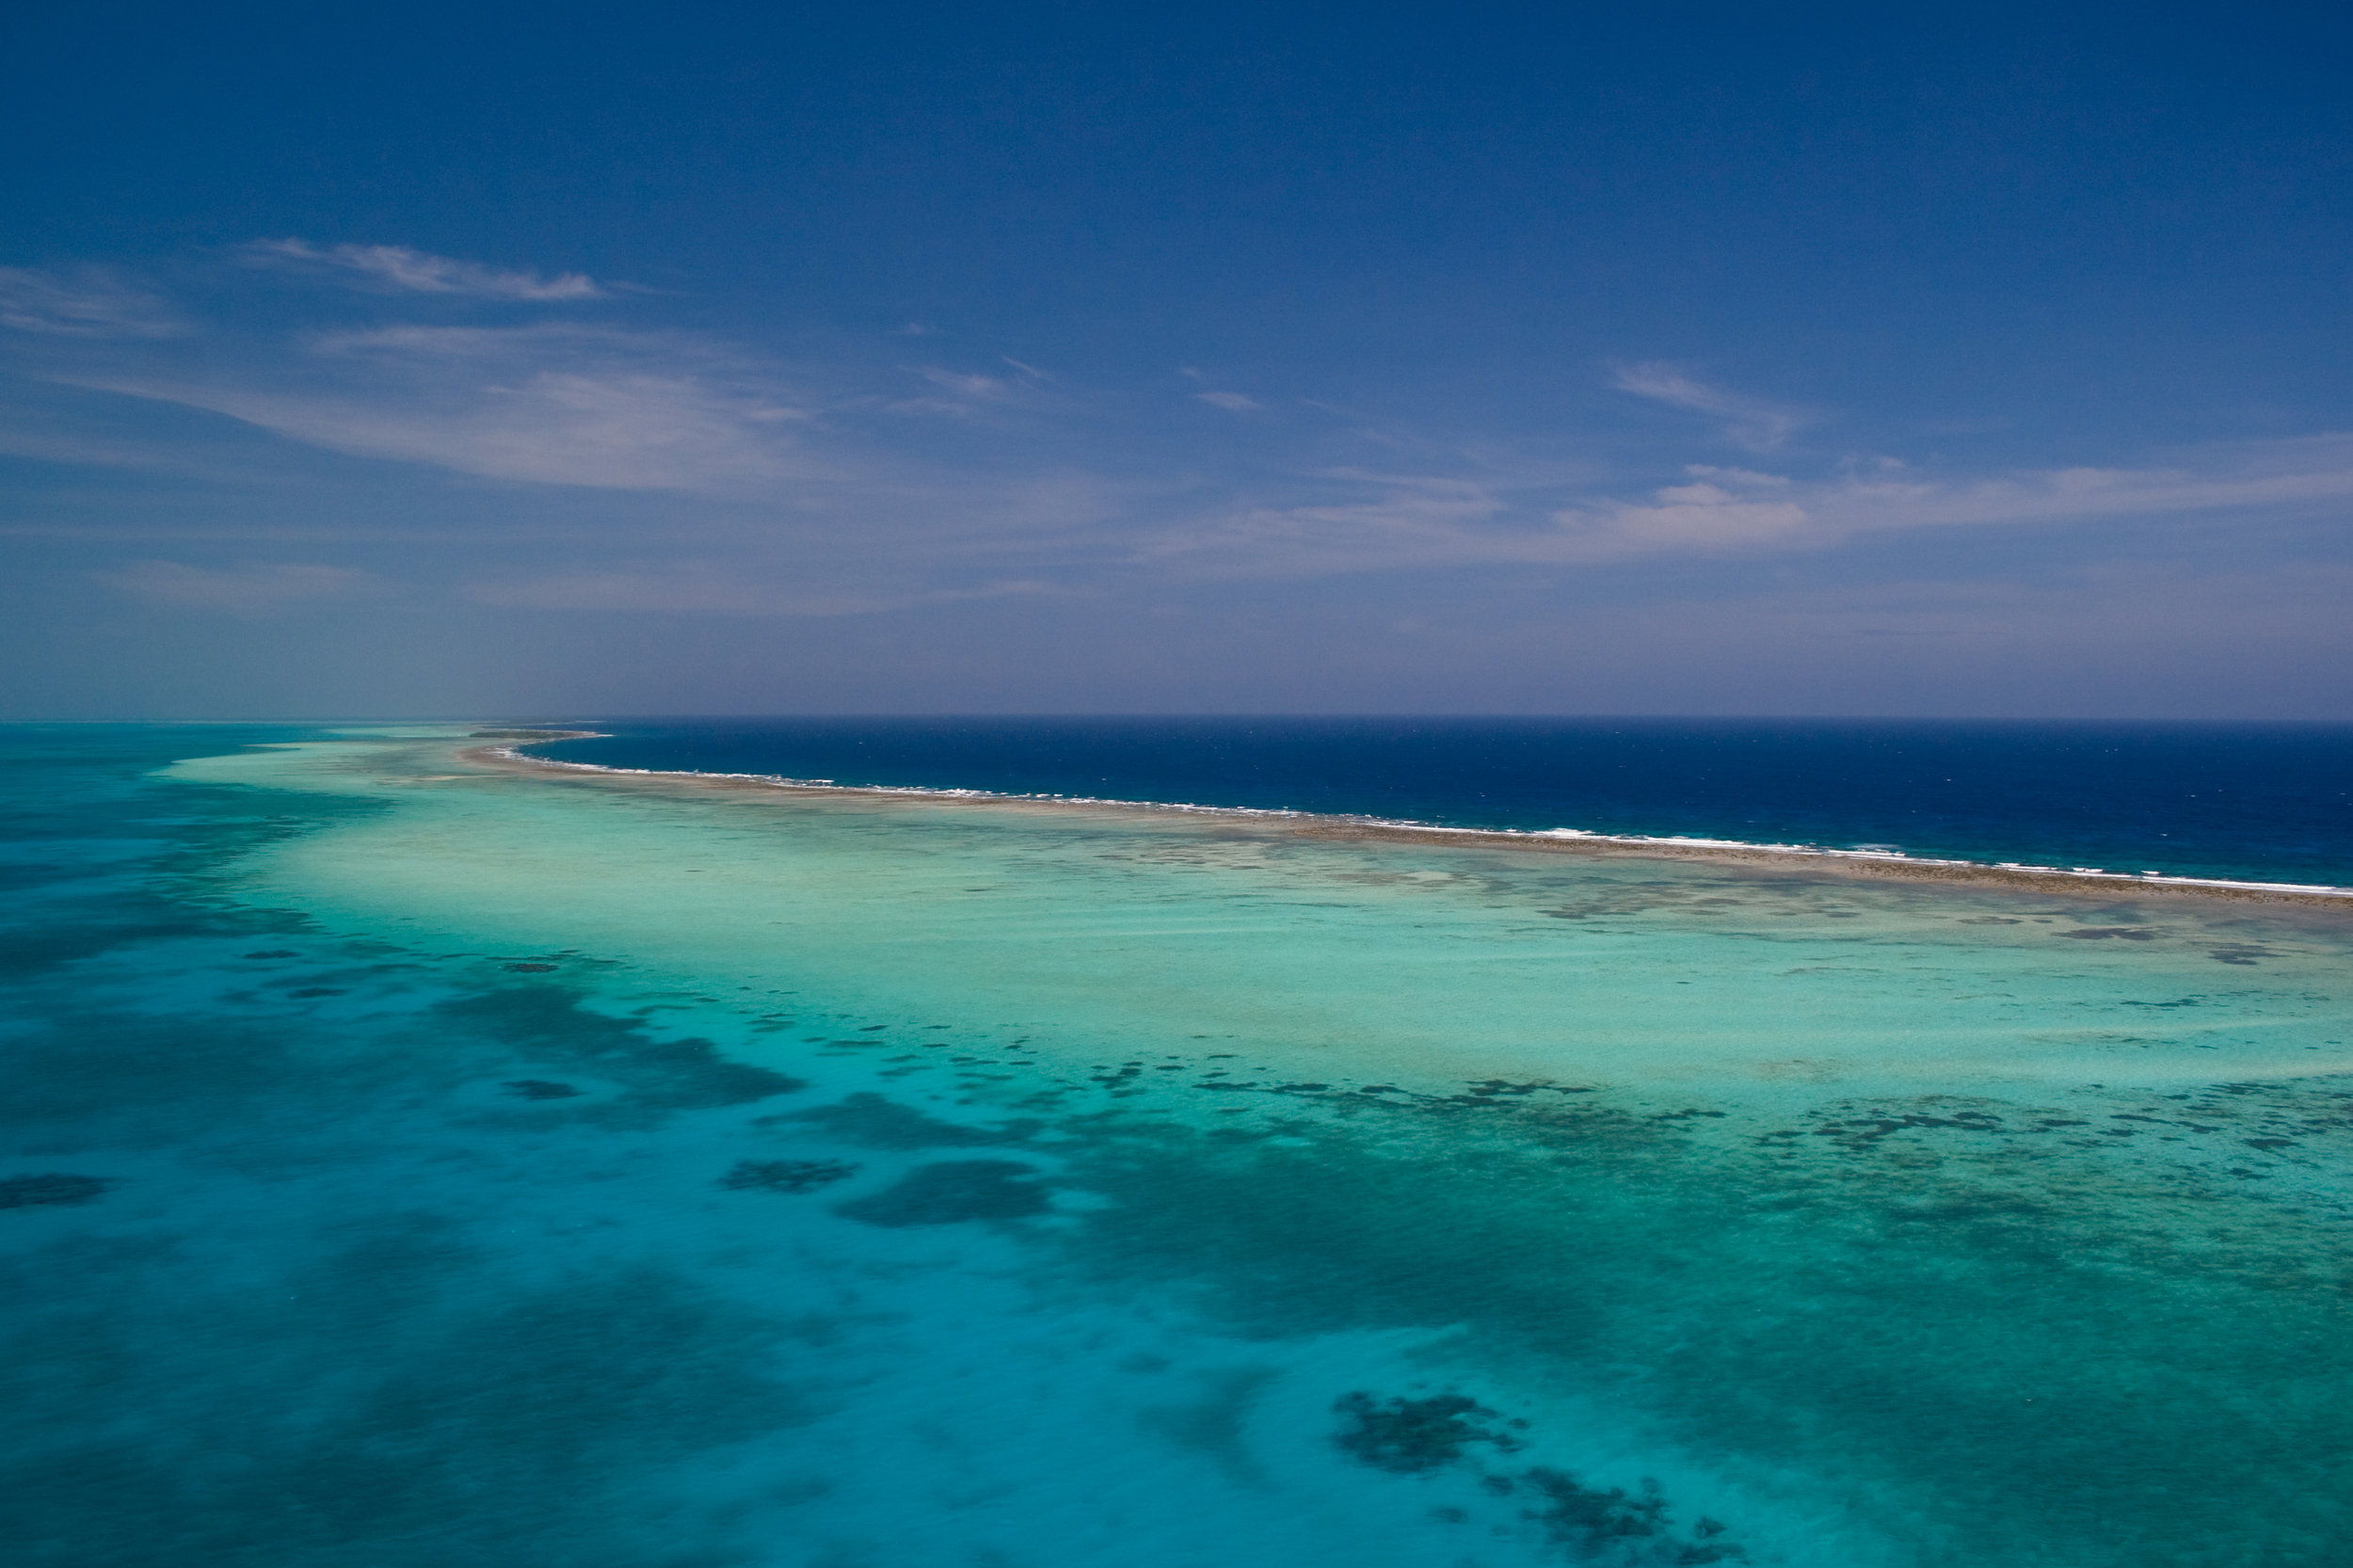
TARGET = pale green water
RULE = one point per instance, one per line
(1881, 1223)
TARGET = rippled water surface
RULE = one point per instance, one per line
(410, 1163)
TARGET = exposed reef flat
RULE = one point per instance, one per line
(1808, 859)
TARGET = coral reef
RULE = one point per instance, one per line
(872, 1121)
(787, 1175)
(1410, 1436)
(28, 1192)
(538, 1088)
(1590, 1524)
(951, 1192)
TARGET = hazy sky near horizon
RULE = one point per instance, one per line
(530, 360)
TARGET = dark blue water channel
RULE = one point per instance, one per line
(2265, 802)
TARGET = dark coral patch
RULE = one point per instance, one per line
(1410, 1436)
(538, 1088)
(1591, 1524)
(1594, 1525)
(29, 1191)
(951, 1192)
(548, 1024)
(872, 1121)
(1586, 1518)
(787, 1175)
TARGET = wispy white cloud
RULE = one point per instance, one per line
(552, 405)
(243, 589)
(1754, 422)
(1700, 519)
(963, 394)
(702, 587)
(1391, 522)
(1710, 472)
(1380, 522)
(1753, 512)
(964, 384)
(93, 304)
(749, 465)
(397, 269)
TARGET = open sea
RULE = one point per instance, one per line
(412, 1161)
(2263, 802)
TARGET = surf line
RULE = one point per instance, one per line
(508, 755)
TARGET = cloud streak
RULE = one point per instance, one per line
(704, 587)
(241, 590)
(807, 494)
(554, 405)
(397, 269)
(1778, 514)
(1393, 523)
(1752, 422)
(95, 304)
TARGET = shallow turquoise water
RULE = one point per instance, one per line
(488, 1168)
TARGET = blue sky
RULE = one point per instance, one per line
(506, 359)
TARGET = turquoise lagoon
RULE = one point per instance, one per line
(413, 1162)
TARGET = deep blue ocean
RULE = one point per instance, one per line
(2270, 802)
